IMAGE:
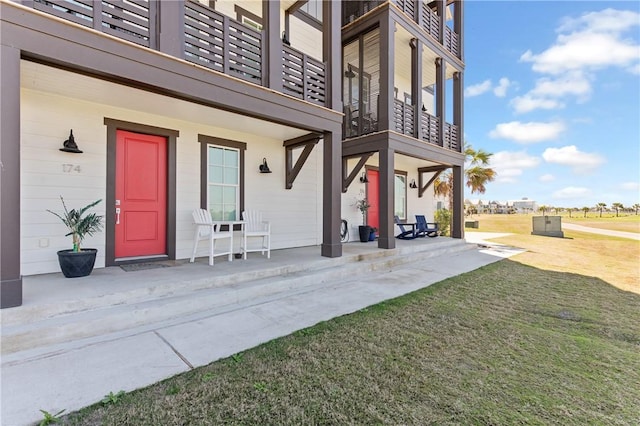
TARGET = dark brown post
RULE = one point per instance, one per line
(386, 239)
(441, 7)
(457, 218)
(10, 278)
(416, 86)
(272, 45)
(458, 26)
(458, 107)
(387, 55)
(331, 193)
(440, 98)
(332, 54)
(171, 18)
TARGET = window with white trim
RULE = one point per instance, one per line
(223, 182)
(400, 195)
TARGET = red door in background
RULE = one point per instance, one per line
(141, 195)
(373, 195)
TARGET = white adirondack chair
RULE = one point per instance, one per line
(255, 227)
(206, 229)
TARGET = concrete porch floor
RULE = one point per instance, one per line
(240, 304)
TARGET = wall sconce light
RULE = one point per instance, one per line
(363, 178)
(413, 184)
(285, 40)
(264, 167)
(423, 108)
(349, 72)
(70, 144)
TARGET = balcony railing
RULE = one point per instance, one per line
(218, 42)
(133, 20)
(211, 39)
(430, 23)
(403, 115)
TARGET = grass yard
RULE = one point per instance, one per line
(544, 338)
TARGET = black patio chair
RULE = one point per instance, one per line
(405, 234)
(430, 229)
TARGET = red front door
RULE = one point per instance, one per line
(373, 195)
(141, 195)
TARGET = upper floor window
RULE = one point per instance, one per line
(313, 8)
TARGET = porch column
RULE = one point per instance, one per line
(171, 33)
(386, 238)
(416, 85)
(440, 98)
(10, 278)
(387, 43)
(457, 216)
(331, 193)
(458, 107)
(441, 11)
(272, 45)
(331, 48)
(458, 26)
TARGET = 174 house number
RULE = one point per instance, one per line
(71, 168)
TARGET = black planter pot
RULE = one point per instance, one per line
(364, 231)
(77, 264)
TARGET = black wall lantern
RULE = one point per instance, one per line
(413, 184)
(70, 144)
(264, 167)
(363, 178)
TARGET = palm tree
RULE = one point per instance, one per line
(600, 207)
(477, 174)
(617, 207)
(570, 209)
(543, 208)
(585, 210)
(636, 207)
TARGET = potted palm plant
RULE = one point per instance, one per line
(77, 262)
(364, 230)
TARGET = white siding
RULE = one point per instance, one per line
(46, 118)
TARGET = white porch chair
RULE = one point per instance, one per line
(206, 229)
(255, 227)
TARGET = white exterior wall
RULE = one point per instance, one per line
(425, 206)
(295, 215)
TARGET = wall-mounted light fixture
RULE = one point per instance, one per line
(285, 40)
(363, 178)
(264, 167)
(413, 184)
(70, 144)
(349, 72)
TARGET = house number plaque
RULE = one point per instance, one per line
(71, 168)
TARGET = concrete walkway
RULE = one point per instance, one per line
(73, 376)
(612, 233)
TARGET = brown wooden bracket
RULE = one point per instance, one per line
(422, 188)
(351, 176)
(307, 142)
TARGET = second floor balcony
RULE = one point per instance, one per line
(205, 37)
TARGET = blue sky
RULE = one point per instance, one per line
(552, 89)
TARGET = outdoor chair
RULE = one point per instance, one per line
(206, 229)
(255, 227)
(430, 229)
(405, 234)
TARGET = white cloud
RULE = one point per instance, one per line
(527, 103)
(509, 165)
(581, 162)
(608, 20)
(477, 89)
(501, 89)
(547, 178)
(631, 186)
(527, 132)
(572, 192)
(591, 42)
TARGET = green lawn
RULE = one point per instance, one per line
(510, 343)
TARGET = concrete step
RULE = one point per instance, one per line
(134, 311)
